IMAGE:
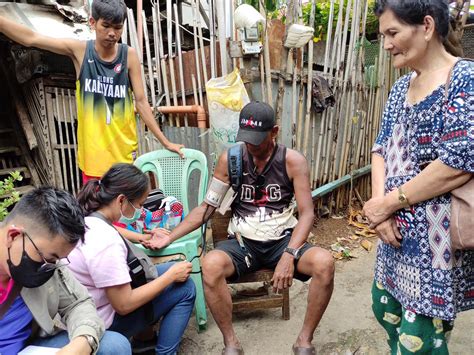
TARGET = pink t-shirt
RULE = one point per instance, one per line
(4, 292)
(100, 262)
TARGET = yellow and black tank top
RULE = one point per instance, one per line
(106, 131)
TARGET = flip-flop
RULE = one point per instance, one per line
(232, 351)
(304, 351)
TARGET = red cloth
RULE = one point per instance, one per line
(86, 178)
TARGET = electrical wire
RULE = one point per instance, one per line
(203, 239)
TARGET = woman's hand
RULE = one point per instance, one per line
(179, 272)
(388, 232)
(377, 210)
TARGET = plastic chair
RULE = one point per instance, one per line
(173, 176)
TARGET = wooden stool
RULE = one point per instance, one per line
(248, 302)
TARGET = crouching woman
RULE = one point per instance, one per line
(100, 263)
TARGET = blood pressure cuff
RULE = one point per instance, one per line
(216, 192)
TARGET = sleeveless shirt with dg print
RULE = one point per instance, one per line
(106, 129)
(266, 218)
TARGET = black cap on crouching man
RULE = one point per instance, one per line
(255, 121)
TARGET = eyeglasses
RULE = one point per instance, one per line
(46, 266)
(259, 184)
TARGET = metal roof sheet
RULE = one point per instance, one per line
(47, 20)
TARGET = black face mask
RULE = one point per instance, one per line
(26, 273)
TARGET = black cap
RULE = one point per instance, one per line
(255, 121)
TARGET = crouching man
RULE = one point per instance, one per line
(263, 233)
(37, 294)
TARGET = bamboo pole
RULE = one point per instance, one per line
(169, 31)
(212, 37)
(140, 28)
(266, 57)
(294, 99)
(157, 51)
(309, 84)
(222, 36)
(329, 36)
(201, 45)
(149, 61)
(299, 126)
(262, 78)
(180, 63)
(235, 62)
(134, 43)
(164, 72)
(196, 55)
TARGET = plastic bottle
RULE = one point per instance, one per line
(170, 220)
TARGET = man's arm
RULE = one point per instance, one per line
(143, 107)
(198, 216)
(298, 172)
(23, 35)
(78, 312)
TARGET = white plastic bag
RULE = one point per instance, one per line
(298, 36)
(226, 96)
(245, 16)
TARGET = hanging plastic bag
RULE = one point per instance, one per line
(226, 96)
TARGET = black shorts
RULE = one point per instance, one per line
(264, 255)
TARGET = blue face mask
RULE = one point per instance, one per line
(129, 220)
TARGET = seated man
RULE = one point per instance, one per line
(35, 240)
(268, 235)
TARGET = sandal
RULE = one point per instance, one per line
(232, 351)
(304, 351)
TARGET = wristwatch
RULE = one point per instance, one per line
(402, 198)
(294, 252)
(92, 342)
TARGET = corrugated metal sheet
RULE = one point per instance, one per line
(45, 20)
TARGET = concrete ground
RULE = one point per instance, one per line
(347, 327)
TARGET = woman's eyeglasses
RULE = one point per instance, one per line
(47, 266)
(259, 184)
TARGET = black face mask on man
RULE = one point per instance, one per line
(27, 273)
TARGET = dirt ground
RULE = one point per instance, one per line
(347, 327)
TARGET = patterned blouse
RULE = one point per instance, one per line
(425, 275)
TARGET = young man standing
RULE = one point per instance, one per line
(106, 73)
(39, 297)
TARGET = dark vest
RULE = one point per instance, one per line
(264, 218)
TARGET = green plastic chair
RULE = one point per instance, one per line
(173, 175)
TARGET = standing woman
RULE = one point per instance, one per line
(100, 263)
(424, 150)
